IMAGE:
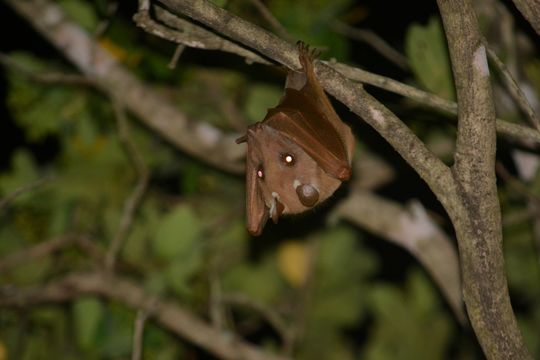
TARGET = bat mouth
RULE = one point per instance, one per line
(276, 208)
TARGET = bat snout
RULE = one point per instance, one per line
(307, 195)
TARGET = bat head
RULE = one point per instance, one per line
(281, 177)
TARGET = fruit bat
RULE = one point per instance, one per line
(299, 154)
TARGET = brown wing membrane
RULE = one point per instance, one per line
(313, 90)
(298, 118)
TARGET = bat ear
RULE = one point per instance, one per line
(241, 139)
(256, 210)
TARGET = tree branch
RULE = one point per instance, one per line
(132, 203)
(35, 252)
(477, 219)
(513, 87)
(374, 40)
(199, 139)
(530, 9)
(167, 313)
(413, 230)
(428, 166)
(508, 129)
(199, 37)
(8, 199)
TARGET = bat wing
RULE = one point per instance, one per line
(300, 119)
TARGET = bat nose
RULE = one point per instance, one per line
(307, 195)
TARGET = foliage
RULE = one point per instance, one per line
(426, 49)
(334, 284)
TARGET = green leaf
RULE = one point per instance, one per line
(22, 173)
(177, 233)
(309, 21)
(82, 12)
(41, 110)
(31, 272)
(339, 294)
(182, 268)
(87, 314)
(115, 337)
(260, 281)
(404, 319)
(339, 297)
(260, 98)
(425, 47)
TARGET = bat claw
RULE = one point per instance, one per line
(306, 55)
(344, 173)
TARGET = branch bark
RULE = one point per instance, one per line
(530, 9)
(412, 229)
(199, 139)
(201, 38)
(168, 314)
(477, 219)
(404, 141)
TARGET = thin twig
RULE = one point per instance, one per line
(273, 318)
(103, 25)
(4, 202)
(216, 298)
(176, 56)
(516, 184)
(36, 252)
(45, 77)
(511, 130)
(140, 321)
(181, 31)
(373, 40)
(271, 19)
(513, 87)
(132, 203)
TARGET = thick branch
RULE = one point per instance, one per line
(168, 314)
(413, 230)
(530, 9)
(478, 219)
(428, 166)
(508, 129)
(201, 38)
(196, 138)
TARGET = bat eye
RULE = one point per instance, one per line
(288, 159)
(260, 173)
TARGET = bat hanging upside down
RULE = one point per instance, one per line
(299, 154)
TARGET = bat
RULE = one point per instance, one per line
(299, 154)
